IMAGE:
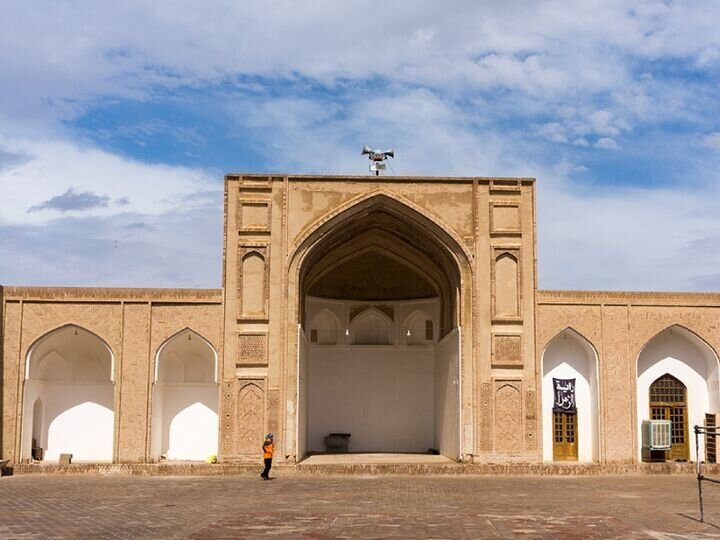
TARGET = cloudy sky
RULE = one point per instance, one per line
(119, 119)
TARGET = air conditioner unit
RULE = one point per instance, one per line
(656, 437)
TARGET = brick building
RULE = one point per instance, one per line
(401, 310)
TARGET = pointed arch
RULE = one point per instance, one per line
(184, 332)
(570, 355)
(416, 324)
(184, 421)
(685, 331)
(406, 254)
(390, 199)
(681, 353)
(69, 370)
(407, 225)
(372, 327)
(326, 324)
(76, 329)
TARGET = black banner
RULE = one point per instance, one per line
(564, 390)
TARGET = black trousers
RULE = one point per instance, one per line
(266, 470)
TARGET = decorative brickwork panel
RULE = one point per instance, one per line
(486, 418)
(504, 218)
(273, 408)
(253, 282)
(227, 405)
(531, 439)
(617, 378)
(250, 416)
(254, 216)
(508, 419)
(252, 348)
(507, 350)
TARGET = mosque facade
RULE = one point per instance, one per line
(401, 311)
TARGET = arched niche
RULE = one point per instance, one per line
(371, 259)
(323, 328)
(506, 286)
(380, 239)
(68, 401)
(569, 355)
(184, 422)
(418, 328)
(372, 327)
(252, 292)
(682, 354)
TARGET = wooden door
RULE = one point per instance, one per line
(565, 437)
(668, 401)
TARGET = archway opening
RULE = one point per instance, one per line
(677, 354)
(668, 401)
(570, 399)
(68, 404)
(185, 399)
(379, 348)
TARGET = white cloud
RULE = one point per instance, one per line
(606, 143)
(712, 140)
(52, 167)
(636, 239)
(459, 84)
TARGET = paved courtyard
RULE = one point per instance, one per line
(46, 506)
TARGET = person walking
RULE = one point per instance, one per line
(267, 449)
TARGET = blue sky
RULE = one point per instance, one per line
(118, 121)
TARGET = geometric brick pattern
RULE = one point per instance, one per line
(531, 439)
(252, 348)
(507, 350)
(250, 416)
(508, 419)
(227, 430)
(486, 417)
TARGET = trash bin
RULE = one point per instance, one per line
(337, 443)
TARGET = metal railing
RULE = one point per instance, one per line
(703, 430)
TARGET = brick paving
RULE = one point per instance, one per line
(633, 506)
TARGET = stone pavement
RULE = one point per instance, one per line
(631, 506)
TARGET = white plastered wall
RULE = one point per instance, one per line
(570, 356)
(398, 397)
(68, 376)
(302, 398)
(680, 353)
(445, 395)
(185, 399)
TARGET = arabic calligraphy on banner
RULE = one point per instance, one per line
(564, 395)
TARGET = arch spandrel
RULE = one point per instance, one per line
(552, 320)
(167, 321)
(543, 345)
(389, 199)
(640, 340)
(178, 335)
(34, 337)
(642, 335)
(29, 350)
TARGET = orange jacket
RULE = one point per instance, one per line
(267, 450)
